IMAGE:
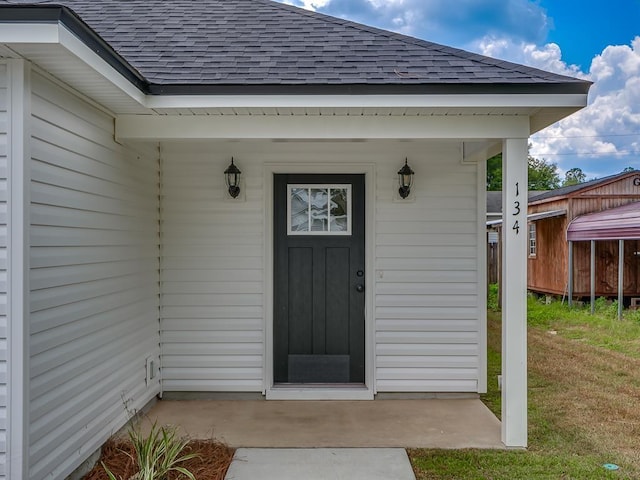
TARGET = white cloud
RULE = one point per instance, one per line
(605, 136)
(439, 20)
(548, 57)
(308, 4)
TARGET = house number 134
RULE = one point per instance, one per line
(516, 208)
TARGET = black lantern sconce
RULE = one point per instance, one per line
(232, 177)
(405, 179)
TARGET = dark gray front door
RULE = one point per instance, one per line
(319, 279)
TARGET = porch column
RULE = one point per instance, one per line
(514, 299)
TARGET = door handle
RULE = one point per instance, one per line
(360, 287)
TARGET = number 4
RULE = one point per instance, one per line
(516, 227)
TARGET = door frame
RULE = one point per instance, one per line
(300, 392)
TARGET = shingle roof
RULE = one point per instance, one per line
(258, 42)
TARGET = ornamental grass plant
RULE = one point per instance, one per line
(157, 454)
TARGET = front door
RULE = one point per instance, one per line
(319, 279)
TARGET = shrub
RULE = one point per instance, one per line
(157, 454)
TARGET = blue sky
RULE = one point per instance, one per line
(592, 39)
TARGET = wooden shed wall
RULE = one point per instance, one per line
(606, 268)
(548, 272)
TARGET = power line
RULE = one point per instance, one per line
(589, 136)
(588, 154)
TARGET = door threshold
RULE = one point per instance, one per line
(319, 392)
(302, 386)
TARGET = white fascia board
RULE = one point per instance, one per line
(58, 34)
(29, 33)
(77, 47)
(366, 101)
(154, 127)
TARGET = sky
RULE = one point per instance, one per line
(597, 40)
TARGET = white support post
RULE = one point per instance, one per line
(514, 298)
(17, 269)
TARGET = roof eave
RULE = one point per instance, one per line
(51, 14)
(569, 88)
(58, 14)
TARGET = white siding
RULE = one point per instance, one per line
(94, 280)
(427, 327)
(4, 119)
(426, 267)
(212, 270)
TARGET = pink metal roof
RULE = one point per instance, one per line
(621, 223)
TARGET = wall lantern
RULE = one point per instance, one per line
(232, 176)
(405, 179)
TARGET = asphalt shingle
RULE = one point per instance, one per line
(233, 42)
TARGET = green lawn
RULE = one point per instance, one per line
(584, 386)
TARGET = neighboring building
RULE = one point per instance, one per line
(132, 272)
(550, 215)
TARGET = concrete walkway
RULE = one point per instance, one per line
(432, 423)
(330, 440)
(321, 464)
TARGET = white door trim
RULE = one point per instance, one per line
(320, 393)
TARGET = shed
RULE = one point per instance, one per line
(616, 227)
(550, 216)
(134, 271)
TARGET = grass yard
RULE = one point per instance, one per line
(584, 402)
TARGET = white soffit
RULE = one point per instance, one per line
(58, 51)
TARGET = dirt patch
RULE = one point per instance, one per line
(212, 462)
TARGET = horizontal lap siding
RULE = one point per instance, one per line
(427, 327)
(4, 124)
(94, 279)
(212, 274)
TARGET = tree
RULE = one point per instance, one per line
(542, 175)
(628, 169)
(494, 173)
(574, 176)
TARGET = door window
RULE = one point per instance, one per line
(319, 209)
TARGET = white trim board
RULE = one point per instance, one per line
(150, 127)
(18, 265)
(472, 101)
(314, 393)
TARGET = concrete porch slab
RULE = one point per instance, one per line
(321, 464)
(431, 423)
